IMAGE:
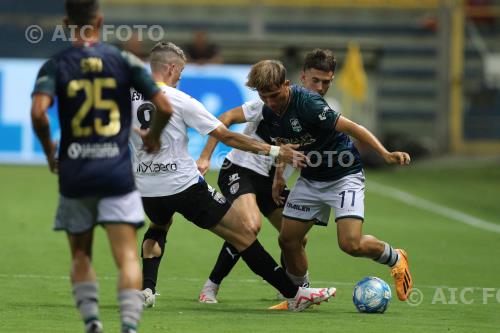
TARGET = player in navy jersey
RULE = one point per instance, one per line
(91, 83)
(169, 183)
(247, 179)
(333, 178)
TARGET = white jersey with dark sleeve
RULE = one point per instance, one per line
(257, 163)
(172, 169)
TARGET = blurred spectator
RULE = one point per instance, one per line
(293, 63)
(480, 13)
(201, 51)
(477, 11)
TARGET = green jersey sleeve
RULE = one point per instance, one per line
(46, 79)
(317, 112)
(141, 79)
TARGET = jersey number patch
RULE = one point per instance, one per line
(145, 114)
(93, 99)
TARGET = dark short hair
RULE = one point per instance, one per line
(320, 59)
(81, 12)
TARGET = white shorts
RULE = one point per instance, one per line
(312, 200)
(79, 215)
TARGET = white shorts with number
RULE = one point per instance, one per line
(79, 215)
(312, 200)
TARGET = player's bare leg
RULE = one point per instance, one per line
(83, 280)
(234, 230)
(291, 239)
(353, 242)
(276, 218)
(122, 238)
(229, 255)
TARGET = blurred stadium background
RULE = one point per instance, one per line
(428, 82)
(424, 75)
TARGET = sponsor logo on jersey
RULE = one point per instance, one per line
(234, 188)
(295, 125)
(216, 195)
(151, 168)
(234, 177)
(322, 115)
(93, 150)
(298, 207)
(303, 140)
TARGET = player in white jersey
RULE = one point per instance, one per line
(170, 182)
(247, 179)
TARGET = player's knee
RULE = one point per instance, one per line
(241, 239)
(288, 243)
(150, 249)
(351, 246)
(253, 222)
(255, 225)
(249, 232)
(153, 244)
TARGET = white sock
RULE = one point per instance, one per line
(85, 295)
(210, 284)
(130, 308)
(301, 281)
(389, 256)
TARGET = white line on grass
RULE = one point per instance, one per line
(199, 280)
(427, 205)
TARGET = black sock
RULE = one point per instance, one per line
(262, 264)
(150, 266)
(228, 257)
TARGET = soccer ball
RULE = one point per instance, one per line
(371, 295)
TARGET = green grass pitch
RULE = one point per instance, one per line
(452, 263)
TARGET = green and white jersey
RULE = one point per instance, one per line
(310, 122)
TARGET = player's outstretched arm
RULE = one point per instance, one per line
(360, 133)
(151, 137)
(285, 153)
(228, 118)
(39, 106)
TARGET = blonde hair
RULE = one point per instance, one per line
(266, 75)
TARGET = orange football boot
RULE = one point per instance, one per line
(402, 277)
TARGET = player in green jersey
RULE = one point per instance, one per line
(334, 177)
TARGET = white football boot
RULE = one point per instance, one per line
(209, 292)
